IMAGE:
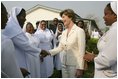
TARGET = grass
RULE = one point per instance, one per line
(56, 74)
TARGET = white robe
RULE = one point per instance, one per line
(95, 35)
(22, 46)
(106, 61)
(9, 66)
(45, 38)
(34, 62)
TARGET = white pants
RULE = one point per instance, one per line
(68, 71)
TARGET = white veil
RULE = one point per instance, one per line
(57, 28)
(114, 7)
(13, 28)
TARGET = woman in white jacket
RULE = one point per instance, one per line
(72, 43)
(106, 61)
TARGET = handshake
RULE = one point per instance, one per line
(44, 53)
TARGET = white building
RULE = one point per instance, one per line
(39, 12)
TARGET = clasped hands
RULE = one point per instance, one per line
(43, 54)
(89, 56)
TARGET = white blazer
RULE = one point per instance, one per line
(106, 61)
(73, 47)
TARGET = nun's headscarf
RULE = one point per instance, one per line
(57, 28)
(13, 28)
(114, 7)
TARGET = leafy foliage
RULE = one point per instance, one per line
(91, 46)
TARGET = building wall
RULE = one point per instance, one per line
(41, 14)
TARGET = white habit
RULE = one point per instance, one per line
(9, 66)
(106, 61)
(20, 41)
(34, 62)
(45, 38)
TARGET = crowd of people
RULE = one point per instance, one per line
(62, 46)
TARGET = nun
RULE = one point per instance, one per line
(106, 60)
(9, 66)
(34, 62)
(58, 58)
(45, 36)
(22, 47)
